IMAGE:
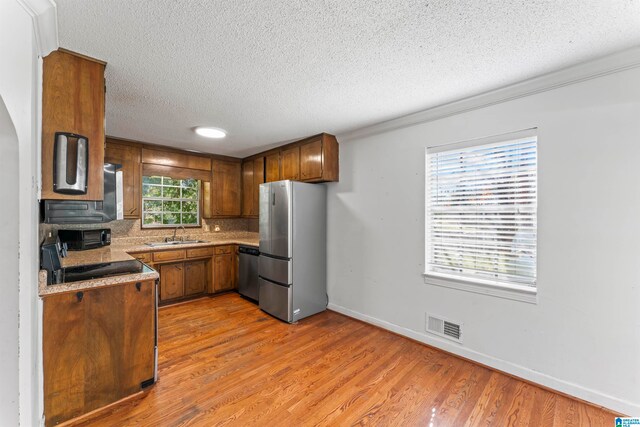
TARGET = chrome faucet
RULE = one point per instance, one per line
(175, 231)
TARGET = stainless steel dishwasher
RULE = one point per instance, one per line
(248, 275)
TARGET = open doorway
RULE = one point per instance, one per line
(9, 304)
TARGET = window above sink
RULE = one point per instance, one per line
(170, 202)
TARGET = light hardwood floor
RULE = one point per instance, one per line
(224, 362)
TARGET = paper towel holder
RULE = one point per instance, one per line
(70, 168)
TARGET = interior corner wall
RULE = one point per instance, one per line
(19, 82)
(583, 335)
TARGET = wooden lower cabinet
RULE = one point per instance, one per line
(171, 281)
(225, 268)
(184, 279)
(199, 271)
(98, 347)
(195, 277)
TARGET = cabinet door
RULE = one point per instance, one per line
(290, 164)
(98, 347)
(73, 101)
(272, 167)
(247, 188)
(311, 160)
(207, 201)
(258, 178)
(65, 361)
(223, 272)
(139, 335)
(195, 277)
(129, 157)
(227, 188)
(171, 281)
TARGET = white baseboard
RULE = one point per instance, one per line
(580, 392)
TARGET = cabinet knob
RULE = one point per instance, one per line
(138, 286)
(80, 295)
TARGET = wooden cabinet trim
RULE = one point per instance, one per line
(175, 172)
(175, 159)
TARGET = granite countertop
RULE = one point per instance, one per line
(119, 251)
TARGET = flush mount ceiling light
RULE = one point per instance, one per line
(209, 132)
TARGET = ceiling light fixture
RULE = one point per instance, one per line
(209, 132)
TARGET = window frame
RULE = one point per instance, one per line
(198, 223)
(501, 289)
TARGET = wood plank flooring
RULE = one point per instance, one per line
(224, 362)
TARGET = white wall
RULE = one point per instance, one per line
(19, 83)
(9, 266)
(583, 336)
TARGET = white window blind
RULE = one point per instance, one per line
(481, 207)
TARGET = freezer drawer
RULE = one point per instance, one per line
(277, 300)
(276, 270)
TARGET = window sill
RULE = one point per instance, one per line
(512, 292)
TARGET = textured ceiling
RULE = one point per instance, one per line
(278, 70)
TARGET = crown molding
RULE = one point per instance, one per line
(603, 66)
(45, 23)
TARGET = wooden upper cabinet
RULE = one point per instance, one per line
(272, 167)
(290, 163)
(247, 188)
(252, 177)
(129, 157)
(319, 159)
(258, 178)
(226, 188)
(73, 96)
(311, 160)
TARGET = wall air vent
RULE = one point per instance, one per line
(442, 327)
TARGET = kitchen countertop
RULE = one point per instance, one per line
(119, 251)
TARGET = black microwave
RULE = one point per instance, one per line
(79, 240)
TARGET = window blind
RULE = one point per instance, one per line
(481, 207)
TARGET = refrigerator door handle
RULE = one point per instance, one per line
(274, 199)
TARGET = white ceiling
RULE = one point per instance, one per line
(279, 70)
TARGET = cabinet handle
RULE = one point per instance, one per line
(138, 286)
(80, 295)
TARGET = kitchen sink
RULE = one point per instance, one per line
(175, 242)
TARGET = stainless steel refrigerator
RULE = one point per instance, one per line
(293, 249)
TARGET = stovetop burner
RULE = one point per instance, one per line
(98, 271)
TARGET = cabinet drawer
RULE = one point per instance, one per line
(221, 250)
(199, 252)
(144, 257)
(168, 255)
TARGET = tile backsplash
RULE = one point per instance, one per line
(130, 228)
